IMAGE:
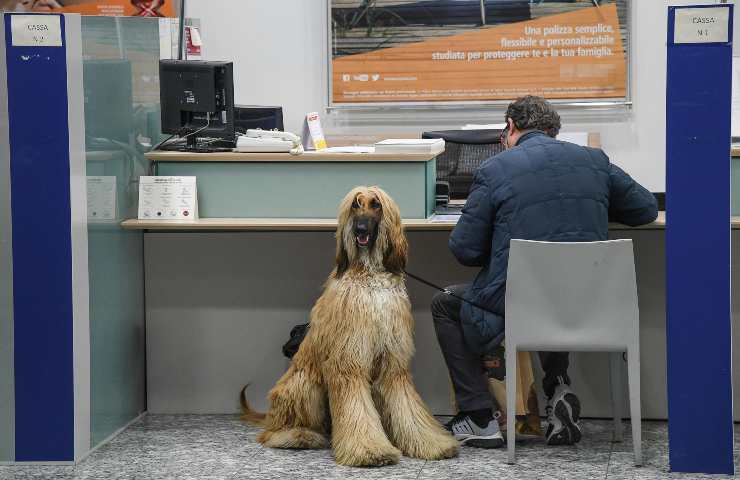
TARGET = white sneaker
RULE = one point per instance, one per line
(563, 414)
(467, 432)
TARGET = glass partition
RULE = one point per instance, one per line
(121, 85)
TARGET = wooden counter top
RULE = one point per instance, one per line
(321, 224)
(159, 156)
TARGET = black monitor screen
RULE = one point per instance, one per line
(197, 98)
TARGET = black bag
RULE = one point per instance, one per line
(297, 334)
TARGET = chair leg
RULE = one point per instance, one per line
(511, 382)
(615, 375)
(633, 374)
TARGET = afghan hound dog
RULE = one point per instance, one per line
(350, 380)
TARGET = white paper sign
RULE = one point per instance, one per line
(701, 25)
(313, 134)
(101, 199)
(444, 218)
(168, 198)
(36, 30)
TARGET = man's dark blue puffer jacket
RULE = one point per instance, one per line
(542, 189)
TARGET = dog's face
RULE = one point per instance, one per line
(367, 213)
(369, 232)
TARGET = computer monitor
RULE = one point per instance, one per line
(197, 99)
(247, 117)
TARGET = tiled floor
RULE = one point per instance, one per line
(221, 447)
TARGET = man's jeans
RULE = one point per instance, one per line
(469, 378)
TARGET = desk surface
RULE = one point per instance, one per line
(286, 157)
(321, 224)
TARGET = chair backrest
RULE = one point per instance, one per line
(572, 296)
(464, 151)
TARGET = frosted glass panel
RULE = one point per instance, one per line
(121, 85)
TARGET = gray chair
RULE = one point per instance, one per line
(575, 297)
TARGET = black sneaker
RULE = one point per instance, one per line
(467, 432)
(563, 414)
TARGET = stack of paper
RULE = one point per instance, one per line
(350, 149)
(488, 126)
(411, 145)
(437, 218)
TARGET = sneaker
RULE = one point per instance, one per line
(563, 414)
(467, 432)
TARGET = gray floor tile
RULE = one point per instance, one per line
(37, 473)
(221, 447)
(533, 461)
(655, 456)
(319, 464)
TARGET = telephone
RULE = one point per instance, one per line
(269, 141)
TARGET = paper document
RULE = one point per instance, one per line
(101, 199)
(168, 198)
(444, 218)
(487, 126)
(410, 145)
(351, 149)
(410, 141)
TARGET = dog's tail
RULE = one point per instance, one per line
(248, 414)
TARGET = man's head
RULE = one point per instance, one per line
(527, 114)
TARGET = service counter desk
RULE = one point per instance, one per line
(223, 292)
(280, 185)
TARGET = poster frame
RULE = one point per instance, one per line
(448, 104)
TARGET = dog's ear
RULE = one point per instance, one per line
(395, 255)
(345, 214)
(342, 258)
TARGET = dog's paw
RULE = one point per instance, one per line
(367, 456)
(437, 446)
(293, 438)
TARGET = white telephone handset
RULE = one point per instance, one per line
(269, 141)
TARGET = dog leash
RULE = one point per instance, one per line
(447, 291)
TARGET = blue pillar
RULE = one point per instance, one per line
(47, 236)
(699, 328)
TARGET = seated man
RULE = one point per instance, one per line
(543, 189)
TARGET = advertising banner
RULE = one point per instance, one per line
(578, 54)
(123, 8)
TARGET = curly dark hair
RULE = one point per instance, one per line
(534, 113)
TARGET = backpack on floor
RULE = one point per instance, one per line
(297, 334)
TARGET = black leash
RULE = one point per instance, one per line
(446, 291)
(298, 333)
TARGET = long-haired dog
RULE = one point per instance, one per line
(350, 379)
